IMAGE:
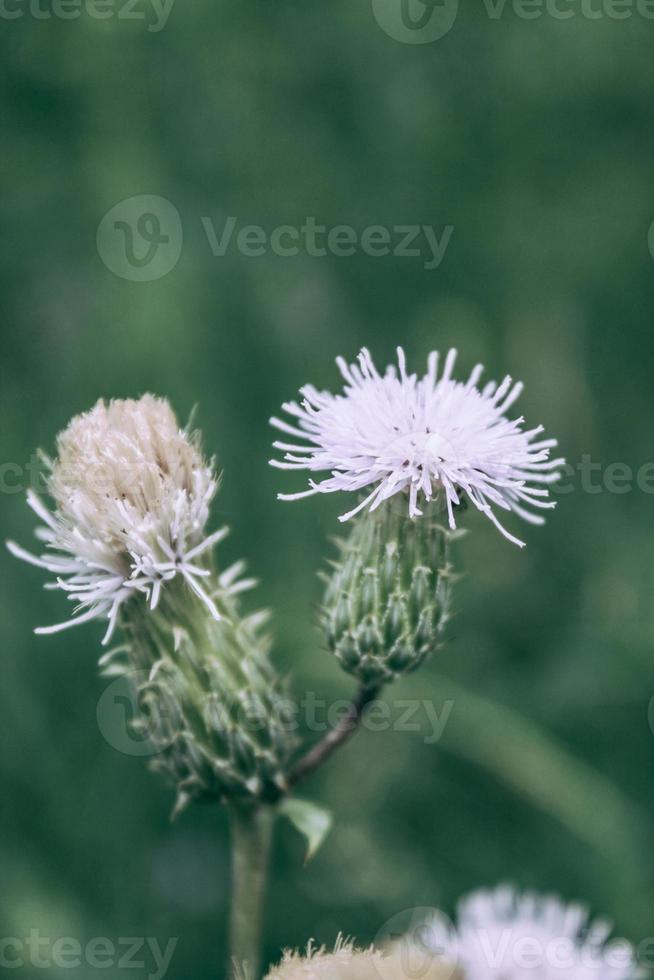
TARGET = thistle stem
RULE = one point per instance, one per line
(340, 733)
(251, 831)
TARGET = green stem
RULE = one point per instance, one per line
(251, 836)
(335, 737)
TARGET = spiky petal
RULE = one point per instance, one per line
(423, 437)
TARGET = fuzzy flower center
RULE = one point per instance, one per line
(120, 466)
(421, 448)
(132, 494)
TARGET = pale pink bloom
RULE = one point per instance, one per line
(425, 437)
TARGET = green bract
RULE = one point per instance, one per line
(387, 599)
(212, 706)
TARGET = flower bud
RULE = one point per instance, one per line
(387, 598)
(212, 707)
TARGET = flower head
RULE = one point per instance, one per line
(425, 436)
(131, 493)
(502, 935)
(348, 963)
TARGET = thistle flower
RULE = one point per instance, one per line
(132, 495)
(127, 542)
(425, 437)
(348, 963)
(502, 935)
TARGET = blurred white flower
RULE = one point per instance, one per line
(502, 935)
(132, 494)
(426, 436)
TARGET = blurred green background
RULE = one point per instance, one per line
(534, 140)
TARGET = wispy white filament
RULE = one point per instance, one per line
(425, 436)
(132, 495)
(502, 935)
(399, 962)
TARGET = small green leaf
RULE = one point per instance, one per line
(311, 820)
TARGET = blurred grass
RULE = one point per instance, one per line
(534, 139)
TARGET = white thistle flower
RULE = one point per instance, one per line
(425, 436)
(132, 494)
(502, 935)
